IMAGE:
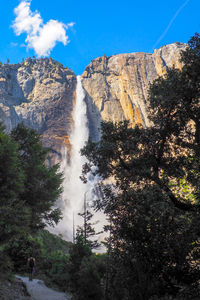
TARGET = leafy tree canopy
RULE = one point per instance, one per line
(153, 196)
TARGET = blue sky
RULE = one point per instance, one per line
(93, 28)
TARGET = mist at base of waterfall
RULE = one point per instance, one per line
(74, 190)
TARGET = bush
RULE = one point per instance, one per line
(20, 249)
(89, 281)
(56, 267)
(6, 265)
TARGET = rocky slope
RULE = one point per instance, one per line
(41, 93)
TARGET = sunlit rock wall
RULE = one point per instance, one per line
(41, 92)
(117, 86)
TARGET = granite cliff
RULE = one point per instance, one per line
(41, 92)
(117, 86)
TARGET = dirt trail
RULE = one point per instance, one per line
(39, 291)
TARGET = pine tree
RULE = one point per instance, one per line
(87, 231)
(13, 213)
(42, 184)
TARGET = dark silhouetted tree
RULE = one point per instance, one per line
(153, 201)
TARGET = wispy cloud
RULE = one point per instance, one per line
(40, 37)
(13, 44)
(170, 23)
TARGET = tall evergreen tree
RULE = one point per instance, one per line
(13, 214)
(87, 230)
(42, 184)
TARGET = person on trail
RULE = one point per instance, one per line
(31, 266)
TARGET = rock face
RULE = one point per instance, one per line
(41, 93)
(117, 86)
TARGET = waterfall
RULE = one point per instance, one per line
(74, 189)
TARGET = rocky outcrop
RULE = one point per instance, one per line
(41, 93)
(117, 86)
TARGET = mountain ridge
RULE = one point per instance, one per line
(42, 92)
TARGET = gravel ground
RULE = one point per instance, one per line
(39, 291)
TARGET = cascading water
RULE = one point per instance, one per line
(74, 190)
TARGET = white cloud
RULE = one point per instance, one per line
(40, 37)
(49, 34)
(26, 20)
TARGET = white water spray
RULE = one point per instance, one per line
(74, 190)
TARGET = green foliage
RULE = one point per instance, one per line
(51, 253)
(87, 231)
(77, 252)
(19, 249)
(28, 187)
(42, 184)
(153, 202)
(78, 271)
(86, 271)
(13, 214)
(53, 242)
(89, 281)
(6, 266)
(28, 191)
(53, 261)
(55, 266)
